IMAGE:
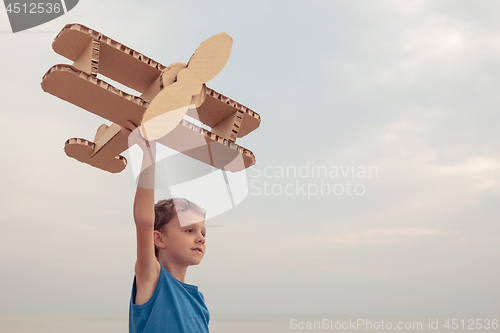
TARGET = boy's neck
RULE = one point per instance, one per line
(178, 272)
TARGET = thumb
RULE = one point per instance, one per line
(125, 131)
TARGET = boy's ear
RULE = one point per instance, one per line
(158, 239)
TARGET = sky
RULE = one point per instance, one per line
(378, 170)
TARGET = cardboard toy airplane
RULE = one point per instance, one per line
(168, 93)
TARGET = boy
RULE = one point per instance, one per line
(170, 237)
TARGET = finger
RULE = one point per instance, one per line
(125, 131)
(131, 125)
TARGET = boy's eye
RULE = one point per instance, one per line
(189, 230)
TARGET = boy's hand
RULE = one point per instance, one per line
(134, 136)
(146, 175)
(127, 130)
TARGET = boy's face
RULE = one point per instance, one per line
(184, 238)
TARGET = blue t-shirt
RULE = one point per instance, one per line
(175, 307)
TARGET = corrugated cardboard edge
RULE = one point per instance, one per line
(233, 103)
(223, 141)
(96, 81)
(248, 125)
(109, 41)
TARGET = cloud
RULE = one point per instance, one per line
(385, 235)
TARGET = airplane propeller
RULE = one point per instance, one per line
(170, 105)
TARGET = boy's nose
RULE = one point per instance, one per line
(201, 238)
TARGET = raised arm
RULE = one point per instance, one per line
(147, 268)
